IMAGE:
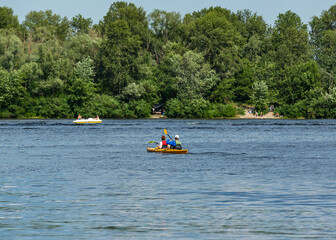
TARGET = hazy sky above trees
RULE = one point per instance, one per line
(268, 9)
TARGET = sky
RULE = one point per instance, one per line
(97, 9)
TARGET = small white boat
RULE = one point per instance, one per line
(89, 120)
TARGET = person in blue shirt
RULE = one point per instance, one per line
(175, 144)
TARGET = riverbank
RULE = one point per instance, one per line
(250, 115)
(157, 116)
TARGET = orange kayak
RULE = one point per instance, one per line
(167, 150)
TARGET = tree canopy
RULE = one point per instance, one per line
(204, 64)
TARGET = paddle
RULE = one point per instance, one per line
(165, 131)
(157, 144)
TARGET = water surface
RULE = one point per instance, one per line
(243, 179)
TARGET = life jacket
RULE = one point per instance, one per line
(178, 145)
(164, 144)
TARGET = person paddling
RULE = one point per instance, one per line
(175, 144)
(163, 143)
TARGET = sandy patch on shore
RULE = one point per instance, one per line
(269, 115)
(157, 116)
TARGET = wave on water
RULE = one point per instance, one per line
(194, 123)
(120, 228)
(287, 123)
(217, 153)
(34, 123)
(214, 127)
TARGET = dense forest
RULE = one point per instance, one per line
(207, 64)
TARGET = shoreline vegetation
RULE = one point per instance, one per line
(246, 115)
(207, 64)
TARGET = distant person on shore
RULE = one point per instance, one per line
(261, 114)
(256, 115)
(277, 114)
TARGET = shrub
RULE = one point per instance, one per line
(221, 110)
(195, 108)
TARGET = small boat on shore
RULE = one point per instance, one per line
(167, 150)
(88, 121)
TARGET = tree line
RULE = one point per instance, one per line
(207, 64)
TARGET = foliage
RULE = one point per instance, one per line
(323, 106)
(193, 77)
(57, 25)
(221, 110)
(195, 108)
(323, 38)
(123, 27)
(260, 95)
(10, 88)
(289, 40)
(200, 66)
(215, 34)
(165, 25)
(10, 50)
(80, 25)
(7, 19)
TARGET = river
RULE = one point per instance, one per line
(242, 179)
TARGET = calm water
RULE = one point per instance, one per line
(243, 179)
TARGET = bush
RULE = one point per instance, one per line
(142, 109)
(5, 114)
(175, 109)
(51, 107)
(108, 107)
(195, 108)
(221, 110)
(103, 105)
(16, 111)
(240, 111)
(321, 108)
(292, 111)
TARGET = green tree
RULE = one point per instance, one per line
(57, 25)
(252, 24)
(81, 46)
(298, 83)
(214, 33)
(289, 40)
(165, 25)
(134, 17)
(10, 50)
(323, 38)
(260, 95)
(319, 25)
(323, 106)
(11, 89)
(224, 92)
(30, 74)
(123, 28)
(194, 77)
(84, 69)
(80, 25)
(81, 88)
(7, 18)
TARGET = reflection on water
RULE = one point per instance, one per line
(243, 179)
